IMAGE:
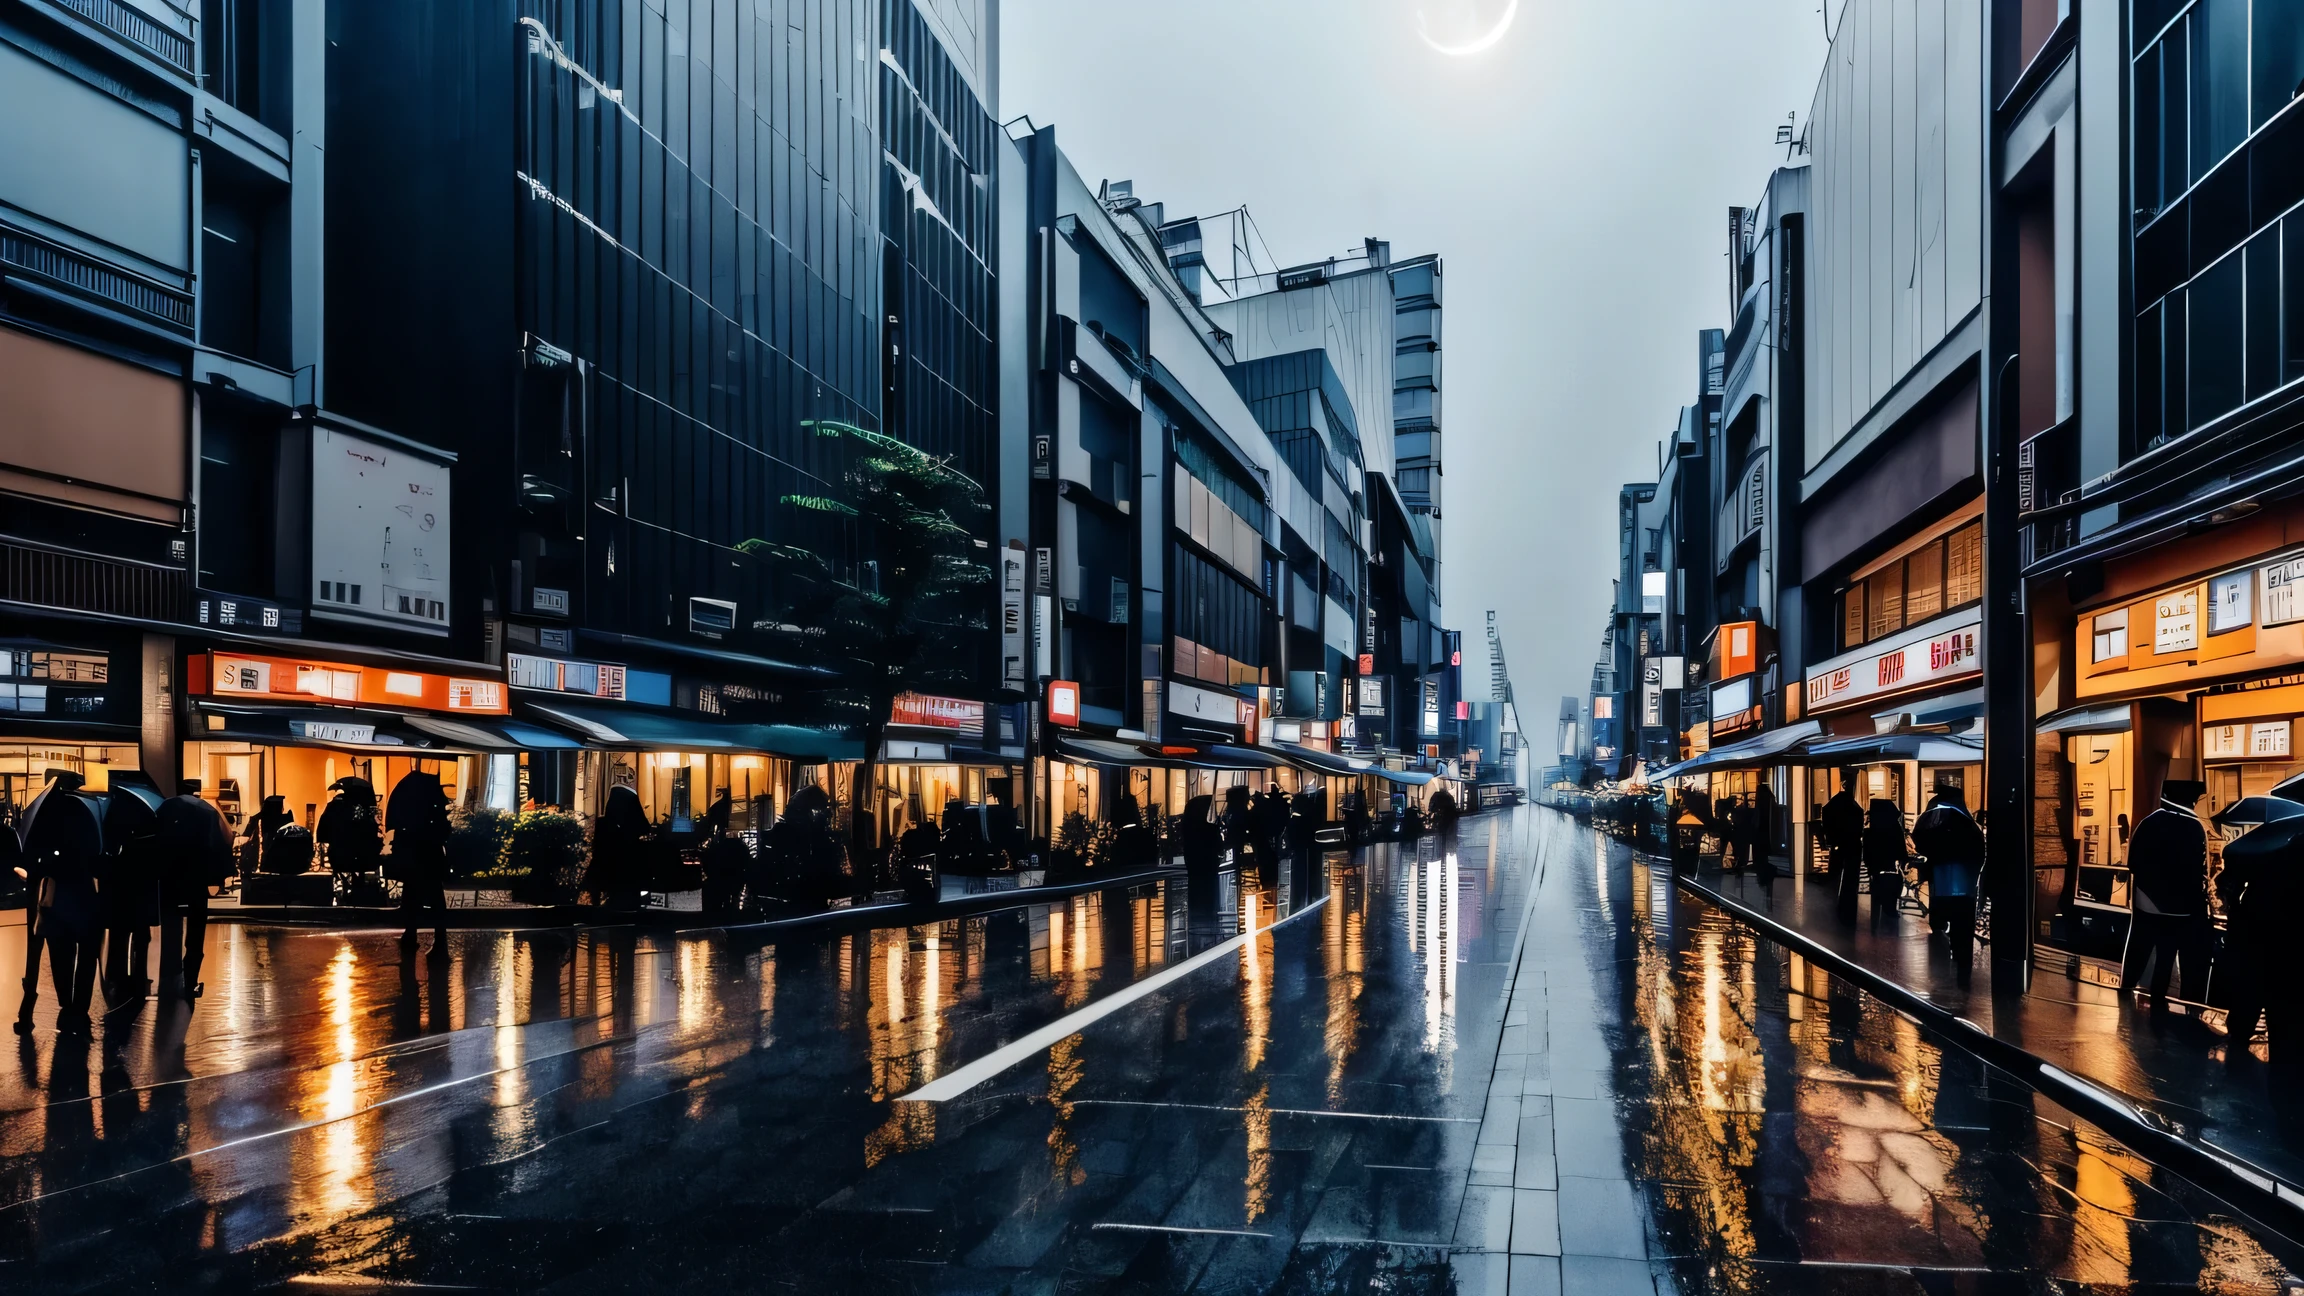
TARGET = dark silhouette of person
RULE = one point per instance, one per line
(63, 849)
(348, 829)
(264, 833)
(1135, 849)
(920, 849)
(1272, 816)
(1411, 822)
(1886, 852)
(130, 886)
(1842, 827)
(418, 819)
(1954, 845)
(1239, 822)
(617, 871)
(726, 858)
(195, 855)
(12, 859)
(1445, 812)
(1752, 842)
(1356, 824)
(1764, 832)
(2263, 892)
(2168, 857)
(1203, 836)
(1727, 815)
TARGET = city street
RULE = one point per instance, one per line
(1339, 1093)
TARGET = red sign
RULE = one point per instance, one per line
(1367, 663)
(1463, 710)
(256, 677)
(1064, 703)
(943, 714)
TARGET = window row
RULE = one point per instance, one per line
(2210, 73)
(1213, 609)
(2233, 334)
(1943, 574)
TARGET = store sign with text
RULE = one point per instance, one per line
(2176, 622)
(2258, 740)
(251, 677)
(1946, 656)
(947, 717)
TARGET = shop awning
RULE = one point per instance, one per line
(1245, 758)
(1406, 778)
(2089, 720)
(655, 731)
(905, 751)
(495, 735)
(1082, 749)
(1320, 762)
(383, 733)
(1952, 709)
(1927, 749)
(1772, 747)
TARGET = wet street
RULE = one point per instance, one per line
(1518, 1062)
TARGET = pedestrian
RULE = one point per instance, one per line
(1764, 837)
(1954, 846)
(1842, 825)
(1725, 816)
(418, 819)
(63, 850)
(1753, 837)
(1445, 811)
(1203, 836)
(1356, 824)
(348, 829)
(1886, 852)
(620, 837)
(726, 857)
(130, 887)
(195, 855)
(264, 835)
(2168, 861)
(1272, 816)
(12, 859)
(1133, 848)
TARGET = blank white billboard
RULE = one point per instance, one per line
(379, 532)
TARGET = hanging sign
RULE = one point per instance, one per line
(253, 677)
(1925, 661)
(2176, 622)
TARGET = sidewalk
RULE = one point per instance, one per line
(2160, 1080)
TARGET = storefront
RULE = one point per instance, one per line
(260, 725)
(66, 703)
(940, 750)
(1914, 696)
(2198, 677)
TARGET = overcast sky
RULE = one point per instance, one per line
(1575, 176)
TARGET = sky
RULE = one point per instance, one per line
(1575, 176)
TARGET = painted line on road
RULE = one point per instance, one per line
(955, 1083)
(1278, 1111)
(1168, 1228)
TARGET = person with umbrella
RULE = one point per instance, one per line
(63, 854)
(195, 855)
(348, 830)
(418, 819)
(130, 887)
(2168, 857)
(1885, 854)
(1843, 827)
(1954, 845)
(264, 834)
(2262, 883)
(726, 858)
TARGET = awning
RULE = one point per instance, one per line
(495, 735)
(1951, 709)
(1928, 749)
(907, 751)
(382, 733)
(1320, 762)
(1245, 758)
(2089, 720)
(655, 731)
(1406, 778)
(1082, 749)
(1772, 747)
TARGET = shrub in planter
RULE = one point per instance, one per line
(545, 858)
(476, 841)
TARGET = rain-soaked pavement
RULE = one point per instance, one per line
(1351, 1088)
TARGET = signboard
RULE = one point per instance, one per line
(2176, 622)
(1209, 706)
(1732, 699)
(380, 542)
(939, 715)
(2224, 742)
(254, 677)
(2231, 603)
(330, 731)
(1431, 706)
(1736, 649)
(1063, 703)
(1371, 699)
(232, 612)
(1012, 618)
(2282, 580)
(1946, 656)
(52, 681)
(2268, 740)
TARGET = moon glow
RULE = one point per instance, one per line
(1464, 49)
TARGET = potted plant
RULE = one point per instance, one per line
(544, 859)
(477, 839)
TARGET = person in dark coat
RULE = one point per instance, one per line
(264, 832)
(2168, 858)
(1135, 850)
(1954, 845)
(12, 861)
(1842, 827)
(1886, 852)
(727, 859)
(418, 819)
(1764, 833)
(348, 829)
(1239, 822)
(1203, 836)
(617, 871)
(63, 851)
(1727, 816)
(1444, 812)
(1356, 825)
(1751, 839)
(130, 885)
(195, 855)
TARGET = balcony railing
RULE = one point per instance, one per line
(139, 29)
(2048, 474)
(85, 583)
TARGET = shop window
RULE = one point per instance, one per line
(1924, 584)
(1887, 600)
(1938, 577)
(1964, 566)
(2110, 633)
(1852, 615)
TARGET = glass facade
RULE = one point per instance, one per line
(699, 228)
(2218, 173)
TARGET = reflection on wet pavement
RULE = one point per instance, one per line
(1677, 1107)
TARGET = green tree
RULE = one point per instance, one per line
(906, 613)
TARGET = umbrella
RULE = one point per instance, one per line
(2266, 845)
(2251, 812)
(132, 810)
(64, 822)
(417, 799)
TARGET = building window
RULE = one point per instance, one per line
(2111, 636)
(1940, 576)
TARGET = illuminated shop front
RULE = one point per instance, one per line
(2199, 677)
(942, 749)
(65, 706)
(261, 725)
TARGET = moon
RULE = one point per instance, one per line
(1465, 49)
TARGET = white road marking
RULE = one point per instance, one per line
(955, 1083)
(1164, 1228)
